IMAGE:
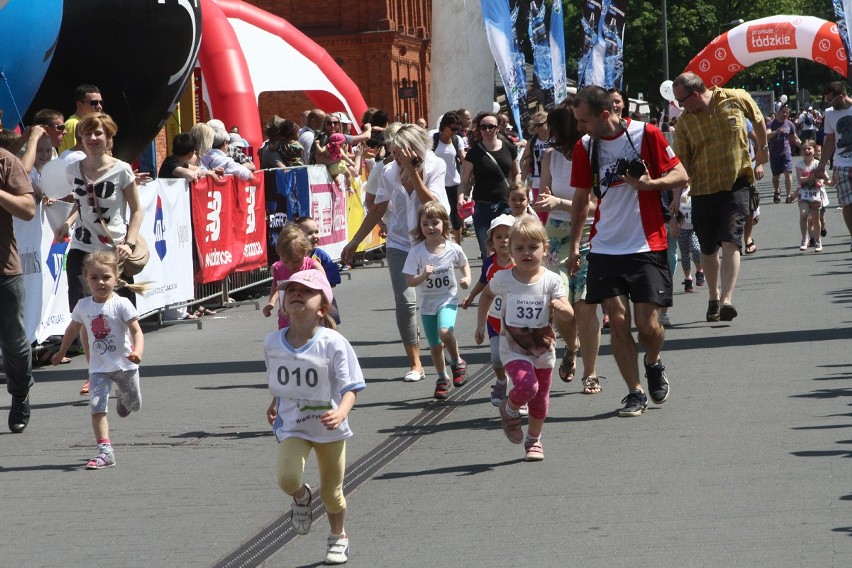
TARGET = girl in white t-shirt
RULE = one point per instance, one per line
(314, 375)
(810, 197)
(430, 266)
(115, 347)
(530, 296)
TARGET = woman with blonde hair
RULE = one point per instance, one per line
(415, 176)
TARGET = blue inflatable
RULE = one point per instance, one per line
(29, 31)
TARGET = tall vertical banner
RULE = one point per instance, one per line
(843, 13)
(500, 33)
(557, 52)
(542, 62)
(601, 60)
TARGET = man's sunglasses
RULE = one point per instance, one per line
(96, 103)
(59, 127)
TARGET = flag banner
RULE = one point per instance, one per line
(328, 209)
(843, 13)
(601, 61)
(500, 32)
(542, 61)
(557, 52)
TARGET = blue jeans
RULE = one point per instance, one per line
(483, 213)
(17, 354)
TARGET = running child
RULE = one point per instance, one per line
(810, 197)
(500, 259)
(519, 200)
(430, 267)
(687, 241)
(313, 375)
(293, 249)
(530, 295)
(115, 347)
(332, 271)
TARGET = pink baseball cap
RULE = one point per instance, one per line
(313, 279)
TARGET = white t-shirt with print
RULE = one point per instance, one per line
(108, 332)
(309, 381)
(441, 287)
(839, 123)
(527, 306)
(106, 199)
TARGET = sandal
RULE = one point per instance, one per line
(567, 368)
(750, 247)
(592, 385)
(777, 197)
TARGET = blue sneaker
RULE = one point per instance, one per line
(635, 404)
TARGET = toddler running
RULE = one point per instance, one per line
(115, 342)
(430, 266)
(530, 294)
(810, 197)
(687, 241)
(500, 259)
(313, 375)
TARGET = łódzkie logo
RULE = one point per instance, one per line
(771, 37)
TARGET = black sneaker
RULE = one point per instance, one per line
(687, 285)
(658, 384)
(699, 278)
(19, 414)
(442, 388)
(713, 310)
(635, 404)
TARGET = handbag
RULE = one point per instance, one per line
(133, 264)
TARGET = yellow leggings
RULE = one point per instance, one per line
(331, 458)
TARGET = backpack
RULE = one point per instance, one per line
(436, 138)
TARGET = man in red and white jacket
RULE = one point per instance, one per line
(626, 164)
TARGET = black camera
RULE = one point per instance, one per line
(635, 167)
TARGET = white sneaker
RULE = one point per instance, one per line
(804, 245)
(818, 247)
(301, 515)
(338, 550)
(524, 410)
(664, 320)
(413, 376)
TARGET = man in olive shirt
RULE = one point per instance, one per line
(17, 199)
(712, 144)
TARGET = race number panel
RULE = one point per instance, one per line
(527, 311)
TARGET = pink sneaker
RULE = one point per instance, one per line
(535, 453)
(511, 426)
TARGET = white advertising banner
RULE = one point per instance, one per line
(167, 230)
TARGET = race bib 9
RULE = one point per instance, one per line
(496, 309)
(527, 311)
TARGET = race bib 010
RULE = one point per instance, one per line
(300, 378)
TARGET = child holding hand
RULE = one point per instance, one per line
(116, 344)
(530, 296)
(430, 267)
(810, 197)
(313, 375)
(293, 249)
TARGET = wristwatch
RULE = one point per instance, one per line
(765, 147)
(131, 246)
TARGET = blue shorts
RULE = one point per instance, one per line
(444, 319)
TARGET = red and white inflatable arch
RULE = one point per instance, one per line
(767, 38)
(245, 51)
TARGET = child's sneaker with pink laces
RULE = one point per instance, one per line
(534, 451)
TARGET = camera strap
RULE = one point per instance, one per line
(596, 170)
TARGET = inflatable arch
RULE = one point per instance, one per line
(237, 66)
(767, 38)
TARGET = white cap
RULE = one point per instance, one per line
(344, 118)
(505, 220)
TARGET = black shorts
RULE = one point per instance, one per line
(643, 277)
(453, 197)
(720, 217)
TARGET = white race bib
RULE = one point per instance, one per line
(440, 282)
(300, 377)
(686, 211)
(527, 311)
(810, 194)
(496, 309)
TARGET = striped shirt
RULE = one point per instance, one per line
(713, 146)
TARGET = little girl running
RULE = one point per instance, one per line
(430, 266)
(115, 347)
(293, 249)
(530, 295)
(314, 375)
(687, 241)
(498, 242)
(519, 200)
(810, 198)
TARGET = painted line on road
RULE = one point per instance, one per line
(280, 532)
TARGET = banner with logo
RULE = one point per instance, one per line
(45, 282)
(328, 209)
(229, 224)
(601, 60)
(540, 43)
(167, 229)
(500, 32)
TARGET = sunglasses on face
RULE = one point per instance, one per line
(96, 103)
(335, 123)
(681, 101)
(834, 98)
(59, 127)
(488, 127)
